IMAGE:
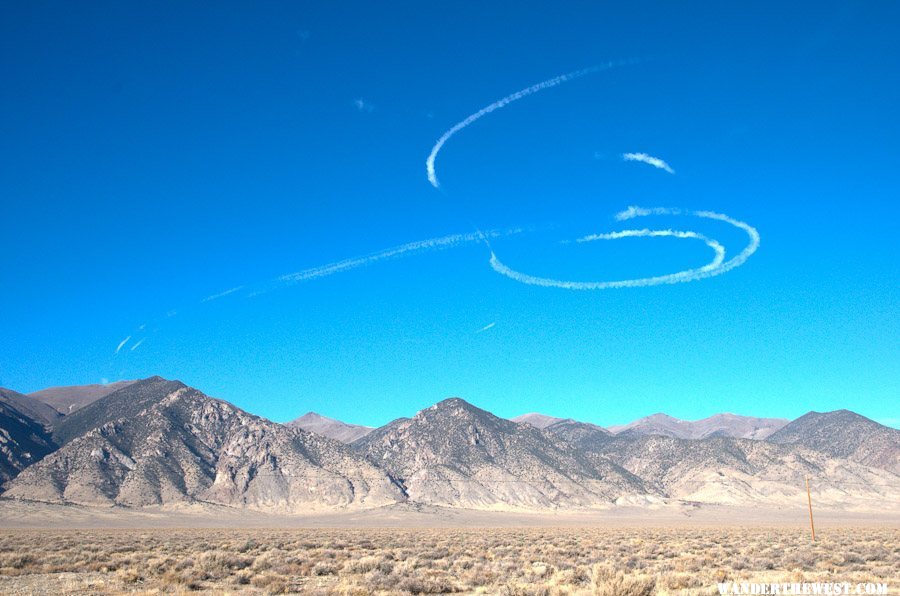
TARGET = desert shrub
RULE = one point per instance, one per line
(607, 582)
(129, 576)
(419, 584)
(324, 568)
(271, 583)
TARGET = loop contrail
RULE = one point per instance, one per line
(717, 266)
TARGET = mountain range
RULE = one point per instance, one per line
(159, 442)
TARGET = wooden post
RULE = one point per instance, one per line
(809, 502)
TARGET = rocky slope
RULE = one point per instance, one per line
(23, 440)
(845, 434)
(329, 427)
(33, 409)
(160, 442)
(458, 455)
(579, 435)
(724, 470)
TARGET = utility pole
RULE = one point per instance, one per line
(809, 502)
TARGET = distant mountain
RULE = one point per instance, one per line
(68, 399)
(580, 435)
(570, 431)
(161, 442)
(30, 407)
(329, 427)
(845, 434)
(725, 470)
(537, 420)
(718, 425)
(458, 455)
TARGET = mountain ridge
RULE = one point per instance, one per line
(173, 444)
(67, 399)
(844, 434)
(159, 442)
(722, 424)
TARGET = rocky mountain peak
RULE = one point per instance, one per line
(844, 434)
(160, 442)
(453, 406)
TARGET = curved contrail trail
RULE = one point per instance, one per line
(429, 163)
(396, 252)
(122, 344)
(649, 160)
(717, 266)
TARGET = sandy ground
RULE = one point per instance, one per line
(24, 514)
(676, 550)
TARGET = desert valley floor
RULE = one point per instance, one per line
(421, 550)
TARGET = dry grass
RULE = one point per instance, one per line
(610, 562)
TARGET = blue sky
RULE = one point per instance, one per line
(153, 155)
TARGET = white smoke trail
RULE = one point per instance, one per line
(486, 327)
(649, 160)
(429, 163)
(422, 245)
(717, 266)
(223, 294)
(634, 211)
(135, 346)
(122, 344)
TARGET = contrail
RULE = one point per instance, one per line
(648, 159)
(737, 261)
(429, 163)
(717, 266)
(223, 294)
(398, 251)
(634, 211)
(135, 346)
(122, 344)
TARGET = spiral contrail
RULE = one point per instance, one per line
(429, 163)
(717, 266)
